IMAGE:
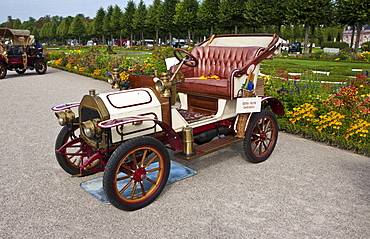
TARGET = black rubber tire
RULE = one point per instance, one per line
(261, 136)
(21, 72)
(147, 152)
(41, 67)
(3, 70)
(67, 163)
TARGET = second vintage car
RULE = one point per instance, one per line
(20, 54)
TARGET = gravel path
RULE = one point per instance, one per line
(304, 190)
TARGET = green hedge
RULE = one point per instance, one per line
(366, 46)
(332, 44)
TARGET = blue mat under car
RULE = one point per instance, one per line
(95, 186)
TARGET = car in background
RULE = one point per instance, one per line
(21, 54)
(295, 47)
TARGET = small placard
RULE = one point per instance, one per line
(248, 105)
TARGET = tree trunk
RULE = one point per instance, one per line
(189, 36)
(142, 38)
(358, 34)
(236, 29)
(307, 26)
(352, 37)
(170, 38)
(157, 37)
(312, 38)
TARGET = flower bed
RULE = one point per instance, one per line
(338, 114)
(99, 64)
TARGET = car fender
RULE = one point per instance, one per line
(174, 139)
(276, 106)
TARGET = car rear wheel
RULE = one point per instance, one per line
(3, 70)
(41, 67)
(136, 173)
(261, 136)
(75, 152)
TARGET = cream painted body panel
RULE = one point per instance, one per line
(135, 102)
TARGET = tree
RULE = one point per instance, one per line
(128, 15)
(231, 14)
(98, 23)
(265, 13)
(63, 28)
(185, 17)
(77, 28)
(208, 15)
(166, 14)
(107, 29)
(152, 20)
(10, 22)
(310, 13)
(355, 13)
(138, 20)
(48, 31)
(116, 21)
(30, 24)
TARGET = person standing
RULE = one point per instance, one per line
(38, 46)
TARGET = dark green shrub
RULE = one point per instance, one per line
(366, 46)
(332, 44)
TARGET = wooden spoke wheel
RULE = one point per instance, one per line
(41, 67)
(136, 173)
(261, 136)
(76, 151)
(3, 70)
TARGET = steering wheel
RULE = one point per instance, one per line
(185, 56)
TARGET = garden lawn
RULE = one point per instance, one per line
(339, 70)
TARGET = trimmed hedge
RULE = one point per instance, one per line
(332, 44)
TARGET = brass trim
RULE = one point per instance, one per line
(96, 103)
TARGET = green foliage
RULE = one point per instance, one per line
(138, 21)
(128, 15)
(208, 14)
(366, 46)
(231, 14)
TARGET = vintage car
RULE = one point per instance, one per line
(20, 54)
(212, 98)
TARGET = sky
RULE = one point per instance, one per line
(23, 9)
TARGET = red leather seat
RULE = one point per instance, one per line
(217, 60)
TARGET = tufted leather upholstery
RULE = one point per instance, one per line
(216, 60)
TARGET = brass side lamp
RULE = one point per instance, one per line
(163, 85)
(114, 78)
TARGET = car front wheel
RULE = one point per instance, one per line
(136, 173)
(3, 70)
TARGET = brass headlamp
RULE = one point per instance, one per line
(65, 117)
(90, 128)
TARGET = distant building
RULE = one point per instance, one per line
(364, 37)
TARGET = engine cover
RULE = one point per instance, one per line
(134, 102)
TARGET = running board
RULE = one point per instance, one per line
(210, 147)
